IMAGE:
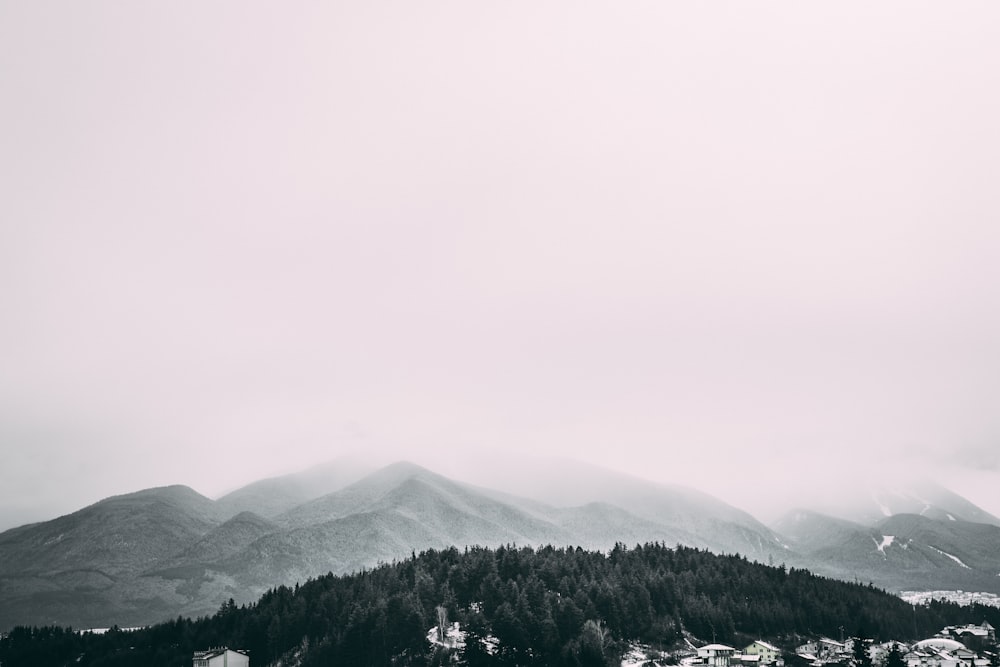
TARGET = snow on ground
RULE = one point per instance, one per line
(886, 542)
(954, 558)
(101, 631)
(927, 506)
(454, 637)
(636, 656)
(960, 597)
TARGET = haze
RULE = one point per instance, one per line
(731, 245)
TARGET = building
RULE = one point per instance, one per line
(879, 652)
(716, 655)
(938, 644)
(769, 653)
(941, 652)
(221, 657)
(824, 650)
(984, 632)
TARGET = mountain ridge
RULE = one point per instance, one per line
(155, 553)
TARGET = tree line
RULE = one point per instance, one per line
(519, 606)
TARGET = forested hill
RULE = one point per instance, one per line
(535, 603)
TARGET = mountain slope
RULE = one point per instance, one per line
(870, 503)
(423, 495)
(902, 552)
(275, 495)
(120, 534)
(85, 568)
(694, 517)
(227, 539)
(158, 553)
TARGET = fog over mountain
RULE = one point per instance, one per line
(749, 250)
(157, 553)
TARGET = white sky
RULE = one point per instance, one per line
(693, 241)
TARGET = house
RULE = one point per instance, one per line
(984, 631)
(824, 649)
(221, 657)
(879, 652)
(931, 658)
(917, 658)
(940, 652)
(769, 654)
(716, 655)
(938, 644)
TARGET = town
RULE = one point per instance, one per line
(954, 646)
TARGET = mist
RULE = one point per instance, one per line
(707, 245)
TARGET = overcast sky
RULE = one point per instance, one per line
(705, 242)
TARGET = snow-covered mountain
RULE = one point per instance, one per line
(874, 501)
(900, 552)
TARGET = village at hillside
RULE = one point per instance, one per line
(954, 646)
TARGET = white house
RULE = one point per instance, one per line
(939, 652)
(716, 655)
(938, 644)
(824, 649)
(769, 653)
(221, 657)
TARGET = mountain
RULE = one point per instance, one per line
(416, 492)
(535, 606)
(116, 535)
(275, 495)
(389, 514)
(901, 552)
(161, 552)
(873, 502)
(601, 525)
(227, 539)
(85, 567)
(158, 553)
(691, 517)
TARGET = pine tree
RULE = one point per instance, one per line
(475, 652)
(895, 657)
(861, 657)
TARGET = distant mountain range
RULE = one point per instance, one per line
(900, 552)
(158, 553)
(872, 503)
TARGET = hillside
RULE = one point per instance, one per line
(542, 607)
(871, 502)
(901, 552)
(158, 553)
(86, 567)
(154, 554)
(692, 517)
(275, 495)
(122, 533)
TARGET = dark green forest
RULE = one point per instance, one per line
(546, 606)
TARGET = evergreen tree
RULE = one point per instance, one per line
(895, 657)
(860, 655)
(544, 607)
(475, 652)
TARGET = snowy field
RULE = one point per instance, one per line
(961, 597)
